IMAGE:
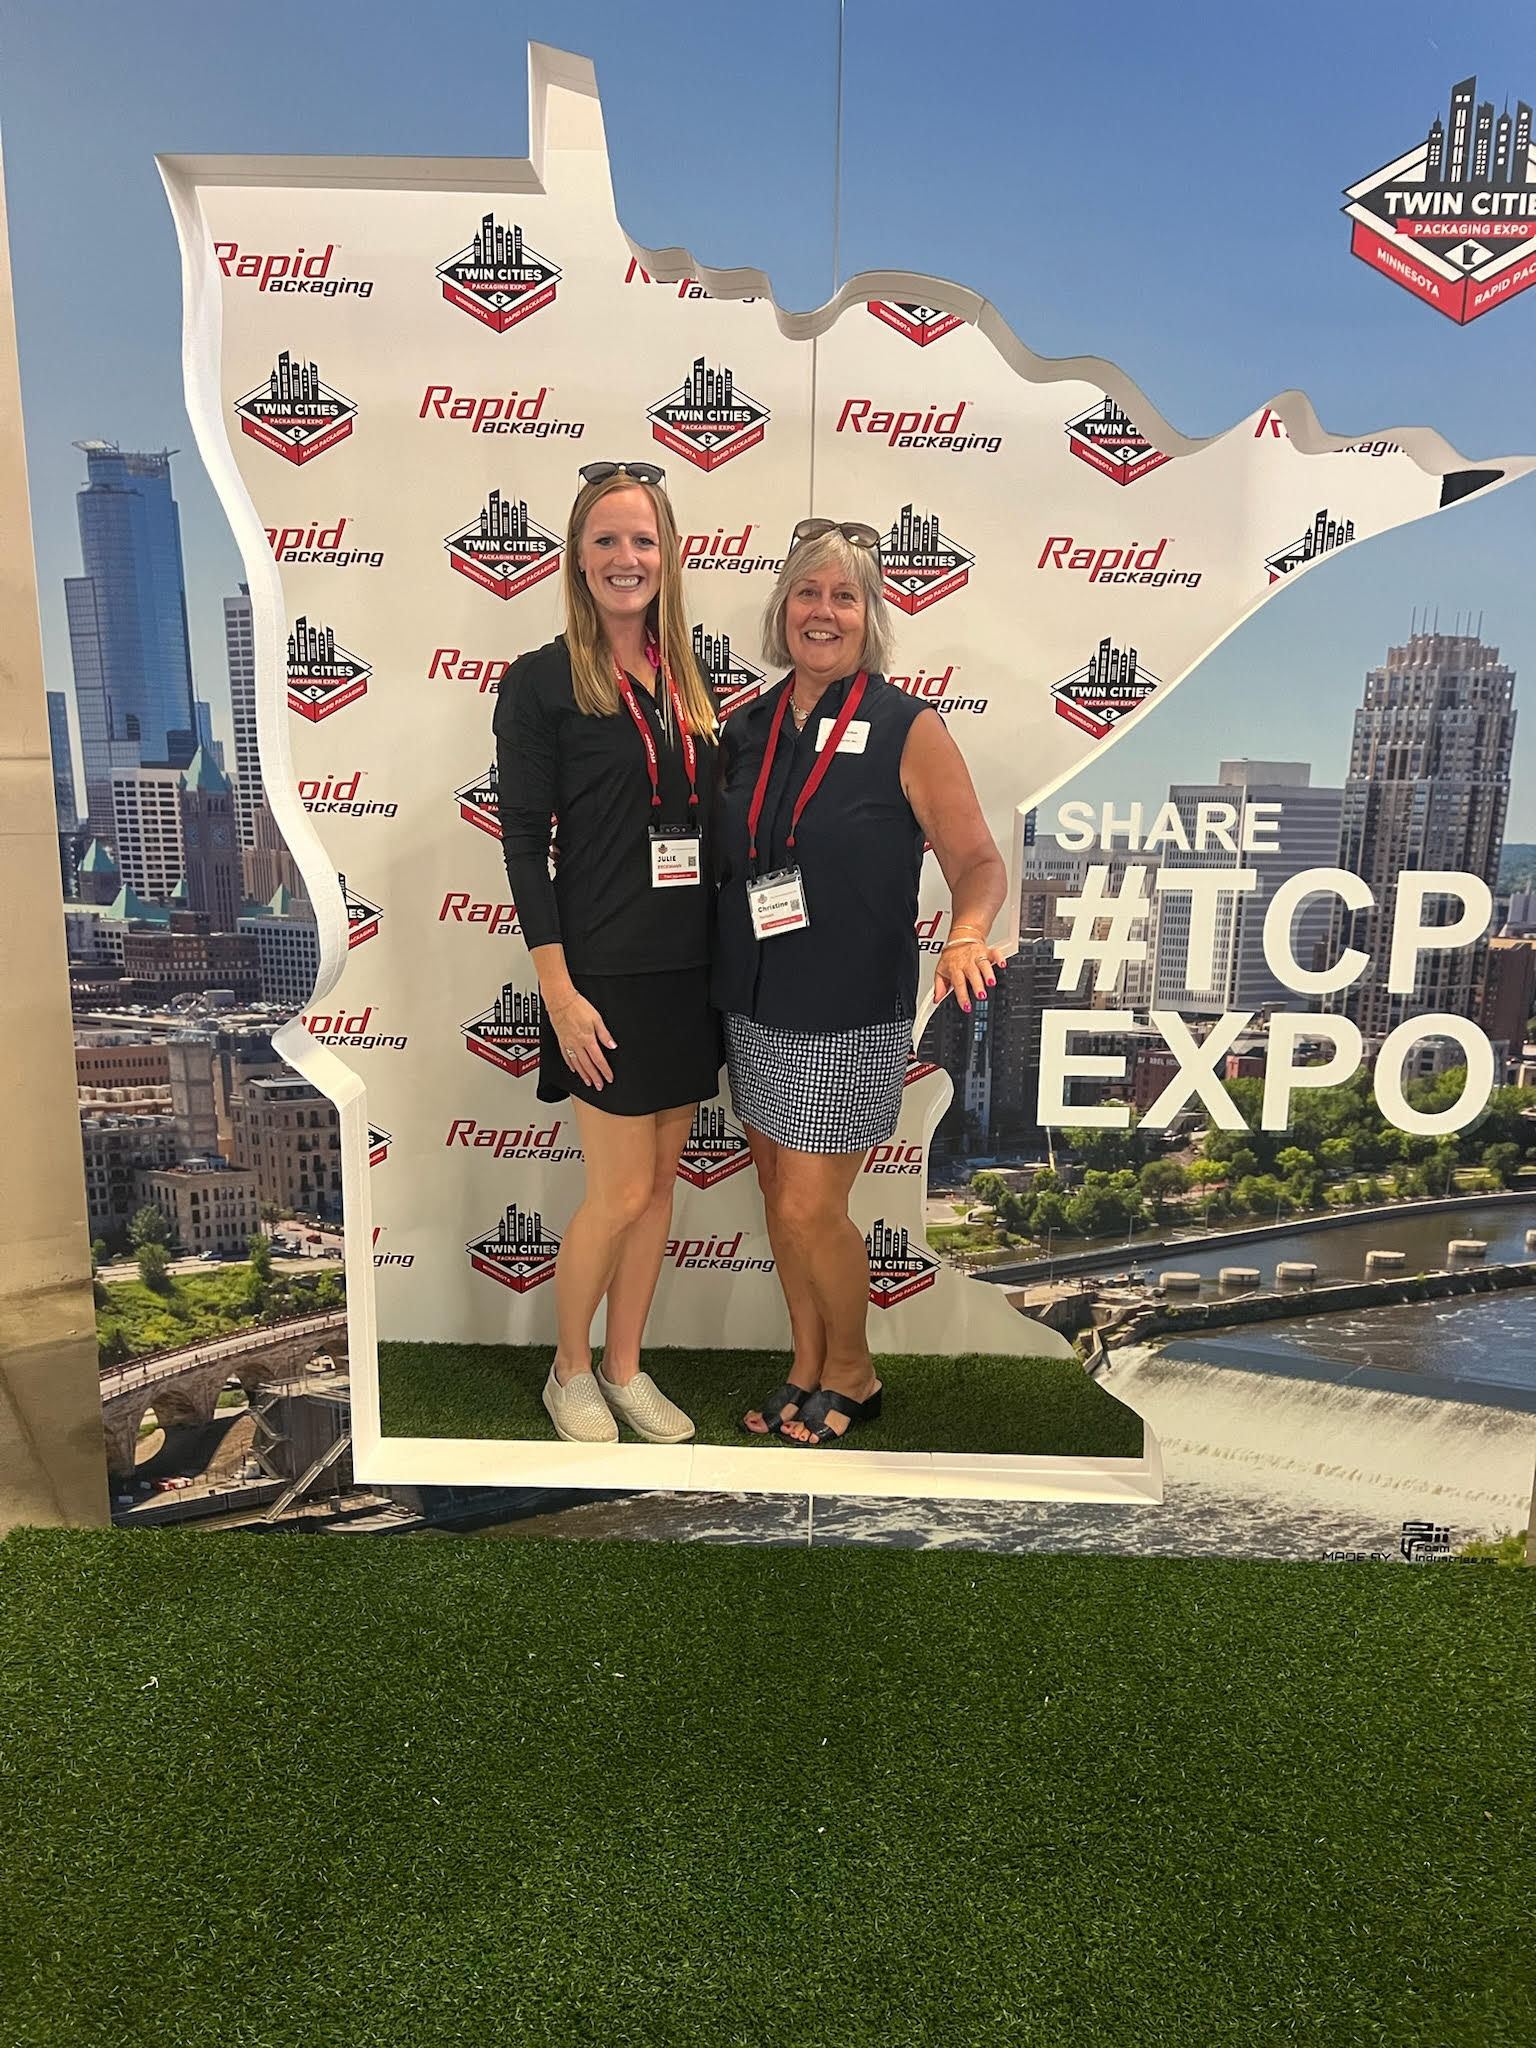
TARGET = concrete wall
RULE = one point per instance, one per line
(52, 1457)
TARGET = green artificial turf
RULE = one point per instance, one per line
(338, 1793)
(1001, 1406)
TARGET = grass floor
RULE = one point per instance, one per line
(996, 1405)
(274, 1793)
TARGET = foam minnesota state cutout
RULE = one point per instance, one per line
(394, 367)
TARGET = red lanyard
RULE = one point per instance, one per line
(653, 764)
(822, 763)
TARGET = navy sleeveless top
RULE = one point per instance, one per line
(859, 849)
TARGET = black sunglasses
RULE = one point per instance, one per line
(642, 472)
(854, 531)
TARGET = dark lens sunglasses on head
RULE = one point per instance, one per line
(854, 531)
(642, 472)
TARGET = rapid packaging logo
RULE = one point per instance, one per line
(501, 412)
(299, 270)
(916, 427)
(295, 413)
(529, 1143)
(1128, 563)
(359, 1032)
(1453, 220)
(931, 686)
(497, 278)
(336, 796)
(321, 547)
(727, 552)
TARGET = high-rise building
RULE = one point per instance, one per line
(289, 1135)
(1303, 823)
(240, 654)
(210, 855)
(146, 827)
(203, 714)
(266, 864)
(189, 1062)
(1428, 787)
(128, 621)
(66, 816)
(1507, 997)
(288, 947)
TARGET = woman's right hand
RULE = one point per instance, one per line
(582, 1035)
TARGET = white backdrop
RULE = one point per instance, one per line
(359, 396)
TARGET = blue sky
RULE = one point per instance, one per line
(1159, 185)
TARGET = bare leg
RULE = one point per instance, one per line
(633, 1285)
(620, 1154)
(811, 1191)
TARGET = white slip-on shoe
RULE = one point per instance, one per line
(578, 1410)
(642, 1404)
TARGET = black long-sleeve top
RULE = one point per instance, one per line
(589, 773)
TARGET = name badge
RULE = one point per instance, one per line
(675, 860)
(853, 740)
(777, 904)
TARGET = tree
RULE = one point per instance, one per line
(154, 1265)
(1106, 1149)
(1048, 1216)
(1337, 1155)
(1160, 1179)
(1501, 1161)
(148, 1226)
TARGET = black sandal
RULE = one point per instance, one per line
(813, 1415)
(772, 1410)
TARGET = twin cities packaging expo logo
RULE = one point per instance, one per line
(731, 678)
(502, 549)
(1107, 689)
(919, 324)
(479, 803)
(714, 1150)
(1108, 440)
(322, 676)
(1454, 219)
(708, 419)
(920, 563)
(1321, 538)
(363, 917)
(295, 413)
(497, 278)
(507, 1034)
(517, 1250)
(898, 1268)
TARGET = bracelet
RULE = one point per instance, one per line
(975, 938)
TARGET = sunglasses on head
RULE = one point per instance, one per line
(854, 531)
(642, 472)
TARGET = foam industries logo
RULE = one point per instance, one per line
(898, 1268)
(477, 803)
(322, 676)
(379, 1142)
(1321, 538)
(732, 680)
(1453, 220)
(921, 564)
(295, 413)
(517, 1250)
(715, 1149)
(497, 278)
(507, 1034)
(708, 420)
(1107, 689)
(1108, 440)
(919, 324)
(363, 917)
(502, 549)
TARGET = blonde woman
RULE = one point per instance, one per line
(832, 781)
(610, 731)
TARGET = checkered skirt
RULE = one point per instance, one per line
(818, 1091)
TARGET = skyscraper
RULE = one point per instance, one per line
(210, 857)
(1305, 832)
(128, 621)
(65, 816)
(1428, 787)
(240, 653)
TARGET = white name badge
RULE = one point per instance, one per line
(675, 860)
(853, 740)
(777, 904)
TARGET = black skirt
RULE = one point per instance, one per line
(668, 1049)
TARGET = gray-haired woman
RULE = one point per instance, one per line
(833, 780)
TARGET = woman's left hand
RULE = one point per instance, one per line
(969, 967)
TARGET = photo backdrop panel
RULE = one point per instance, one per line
(396, 369)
